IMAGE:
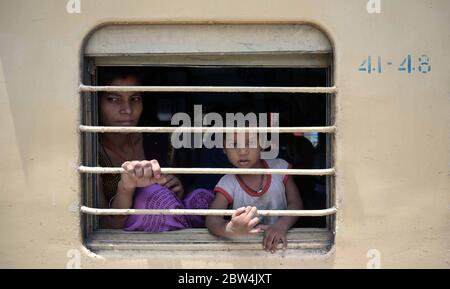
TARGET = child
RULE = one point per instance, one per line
(248, 193)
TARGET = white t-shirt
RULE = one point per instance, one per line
(271, 197)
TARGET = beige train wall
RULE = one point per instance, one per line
(392, 145)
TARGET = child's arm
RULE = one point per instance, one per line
(276, 233)
(242, 222)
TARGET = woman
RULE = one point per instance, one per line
(142, 186)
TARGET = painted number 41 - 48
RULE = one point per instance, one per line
(408, 64)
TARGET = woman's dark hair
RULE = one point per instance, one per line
(106, 76)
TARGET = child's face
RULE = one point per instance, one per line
(244, 157)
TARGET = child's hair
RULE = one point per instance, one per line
(244, 108)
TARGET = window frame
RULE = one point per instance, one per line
(100, 241)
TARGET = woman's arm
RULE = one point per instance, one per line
(243, 220)
(111, 221)
(137, 174)
(123, 199)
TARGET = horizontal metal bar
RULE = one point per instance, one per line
(168, 129)
(205, 212)
(215, 171)
(283, 89)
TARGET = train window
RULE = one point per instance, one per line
(245, 56)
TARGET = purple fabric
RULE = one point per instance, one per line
(198, 199)
(158, 197)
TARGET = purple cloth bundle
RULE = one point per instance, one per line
(159, 197)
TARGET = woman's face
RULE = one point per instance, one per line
(121, 108)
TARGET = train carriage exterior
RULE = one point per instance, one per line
(388, 99)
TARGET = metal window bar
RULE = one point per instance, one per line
(217, 171)
(168, 129)
(103, 170)
(206, 212)
(89, 88)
